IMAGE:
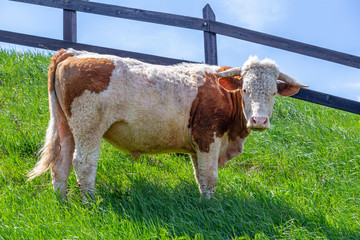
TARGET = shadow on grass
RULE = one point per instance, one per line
(182, 213)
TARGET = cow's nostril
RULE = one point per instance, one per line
(254, 120)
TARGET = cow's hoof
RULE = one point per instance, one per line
(206, 196)
(88, 196)
(61, 196)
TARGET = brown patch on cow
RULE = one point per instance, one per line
(216, 111)
(238, 128)
(75, 75)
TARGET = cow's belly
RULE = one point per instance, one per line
(156, 138)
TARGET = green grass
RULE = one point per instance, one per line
(298, 180)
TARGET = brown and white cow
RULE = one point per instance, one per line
(142, 108)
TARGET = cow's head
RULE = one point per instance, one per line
(258, 81)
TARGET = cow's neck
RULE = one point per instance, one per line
(237, 126)
(237, 132)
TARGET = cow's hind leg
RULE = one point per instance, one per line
(90, 120)
(60, 171)
(85, 161)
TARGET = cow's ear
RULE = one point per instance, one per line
(286, 89)
(231, 84)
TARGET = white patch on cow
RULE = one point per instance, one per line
(259, 88)
(146, 107)
(207, 168)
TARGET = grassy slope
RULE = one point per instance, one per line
(299, 180)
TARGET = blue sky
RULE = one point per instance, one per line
(332, 24)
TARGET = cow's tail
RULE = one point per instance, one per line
(51, 149)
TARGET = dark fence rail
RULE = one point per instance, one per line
(207, 24)
(285, 44)
(123, 12)
(328, 100)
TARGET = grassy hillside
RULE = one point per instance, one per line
(299, 180)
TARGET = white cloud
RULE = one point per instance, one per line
(256, 14)
(358, 98)
(353, 85)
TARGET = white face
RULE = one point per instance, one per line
(259, 90)
(259, 87)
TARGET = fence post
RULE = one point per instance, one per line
(209, 37)
(69, 25)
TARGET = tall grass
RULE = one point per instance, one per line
(298, 180)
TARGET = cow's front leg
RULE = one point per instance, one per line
(206, 169)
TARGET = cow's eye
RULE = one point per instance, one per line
(244, 90)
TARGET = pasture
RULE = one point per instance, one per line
(298, 180)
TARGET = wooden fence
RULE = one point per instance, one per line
(207, 24)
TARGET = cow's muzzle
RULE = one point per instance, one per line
(259, 123)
